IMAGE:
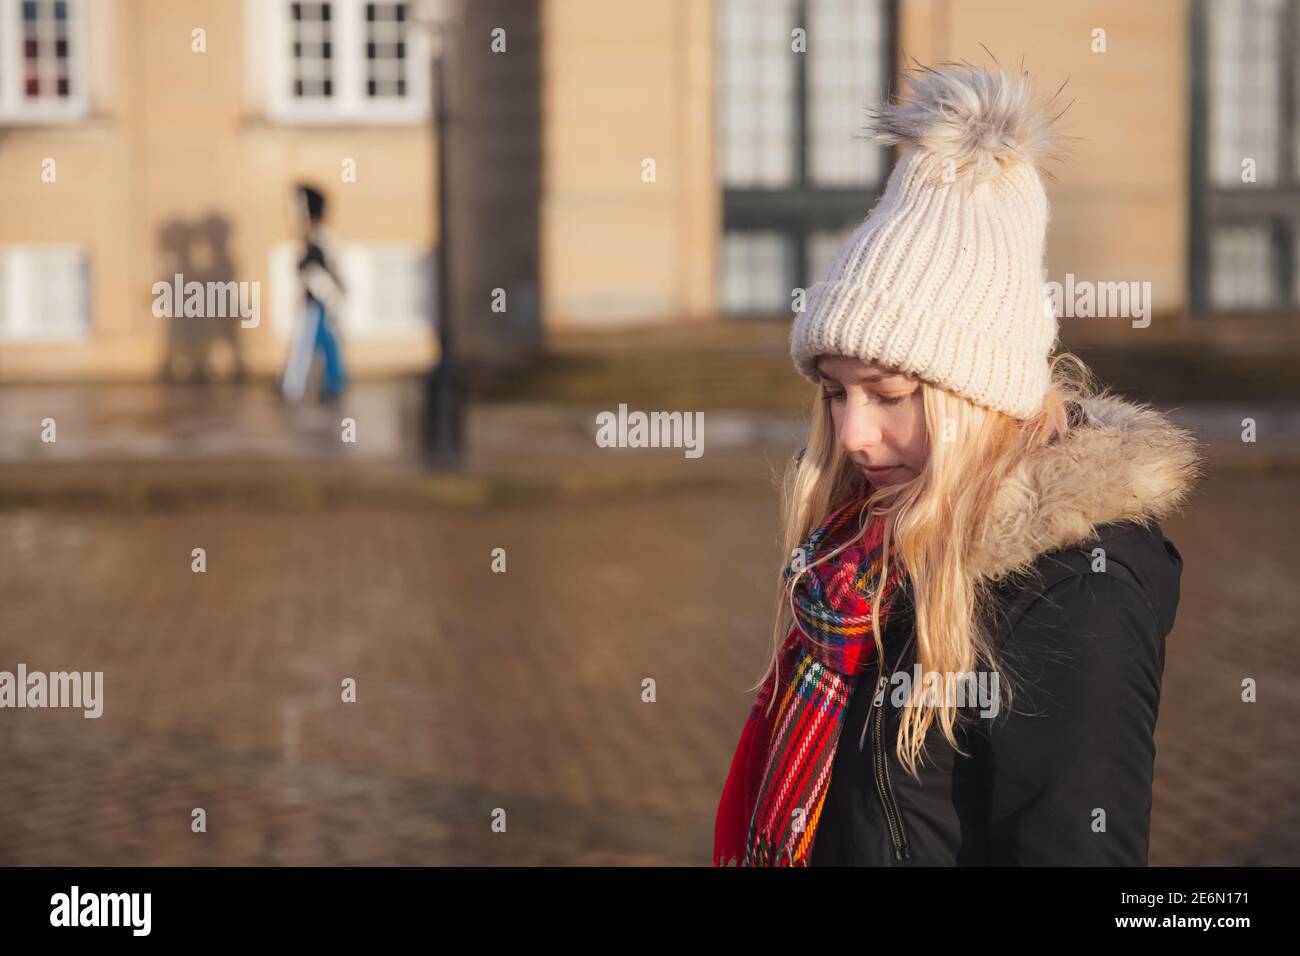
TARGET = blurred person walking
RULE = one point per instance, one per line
(317, 329)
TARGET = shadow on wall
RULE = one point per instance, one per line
(199, 348)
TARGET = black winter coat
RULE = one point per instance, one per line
(1065, 776)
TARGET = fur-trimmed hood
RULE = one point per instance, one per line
(1122, 462)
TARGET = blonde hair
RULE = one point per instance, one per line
(930, 524)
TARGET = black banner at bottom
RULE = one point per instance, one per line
(367, 904)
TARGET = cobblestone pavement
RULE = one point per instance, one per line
(520, 690)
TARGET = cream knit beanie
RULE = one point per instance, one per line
(944, 279)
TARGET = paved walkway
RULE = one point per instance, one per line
(520, 690)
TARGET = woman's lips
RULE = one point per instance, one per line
(882, 472)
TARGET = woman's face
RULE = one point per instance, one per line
(878, 417)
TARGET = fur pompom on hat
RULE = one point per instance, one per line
(944, 279)
(975, 122)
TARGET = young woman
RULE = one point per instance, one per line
(972, 511)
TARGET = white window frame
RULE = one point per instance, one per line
(349, 103)
(20, 317)
(15, 107)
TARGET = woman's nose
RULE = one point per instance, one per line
(859, 429)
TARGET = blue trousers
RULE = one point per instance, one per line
(315, 335)
(335, 378)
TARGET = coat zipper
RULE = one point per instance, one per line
(902, 851)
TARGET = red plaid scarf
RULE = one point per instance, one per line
(772, 800)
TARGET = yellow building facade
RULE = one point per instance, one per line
(176, 154)
(696, 161)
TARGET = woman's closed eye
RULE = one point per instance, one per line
(835, 394)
